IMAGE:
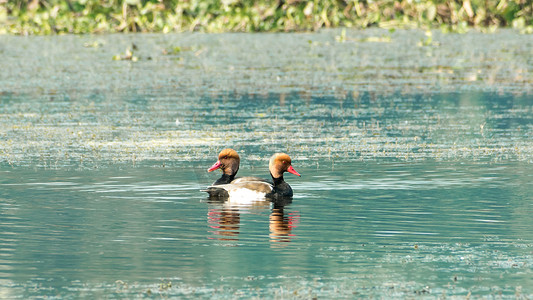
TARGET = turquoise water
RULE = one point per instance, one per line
(415, 162)
(365, 229)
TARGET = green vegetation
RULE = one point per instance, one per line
(100, 16)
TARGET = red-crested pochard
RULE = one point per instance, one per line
(228, 162)
(253, 187)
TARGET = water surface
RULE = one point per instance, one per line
(367, 229)
(415, 162)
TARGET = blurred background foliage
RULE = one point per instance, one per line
(100, 16)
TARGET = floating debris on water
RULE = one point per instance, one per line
(311, 97)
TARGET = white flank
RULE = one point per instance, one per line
(240, 195)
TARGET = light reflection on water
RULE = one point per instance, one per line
(133, 127)
(382, 229)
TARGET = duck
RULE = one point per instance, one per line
(256, 188)
(228, 162)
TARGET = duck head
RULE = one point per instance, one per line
(228, 161)
(280, 163)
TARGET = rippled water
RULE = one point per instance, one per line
(366, 229)
(126, 128)
(415, 162)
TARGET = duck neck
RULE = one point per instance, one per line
(225, 178)
(277, 181)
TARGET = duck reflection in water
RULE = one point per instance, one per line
(225, 222)
(224, 218)
(280, 224)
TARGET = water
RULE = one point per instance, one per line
(416, 169)
(370, 229)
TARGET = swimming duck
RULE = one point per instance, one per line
(254, 188)
(228, 161)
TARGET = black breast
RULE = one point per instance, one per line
(215, 193)
(281, 189)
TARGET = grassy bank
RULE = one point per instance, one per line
(99, 16)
